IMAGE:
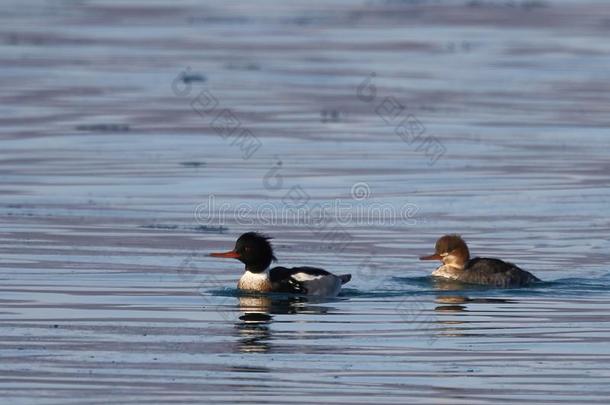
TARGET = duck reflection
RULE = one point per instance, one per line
(458, 301)
(253, 325)
(444, 284)
(451, 303)
(458, 304)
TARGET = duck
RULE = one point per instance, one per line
(256, 252)
(457, 265)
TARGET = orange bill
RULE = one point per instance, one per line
(230, 254)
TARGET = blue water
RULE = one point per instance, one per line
(117, 178)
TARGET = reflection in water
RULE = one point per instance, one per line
(253, 326)
(445, 284)
(451, 303)
(451, 308)
(457, 304)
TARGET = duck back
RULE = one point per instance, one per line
(307, 280)
(495, 272)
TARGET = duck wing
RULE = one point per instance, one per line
(306, 280)
(496, 272)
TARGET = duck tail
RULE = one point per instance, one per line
(345, 278)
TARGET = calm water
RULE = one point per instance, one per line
(136, 137)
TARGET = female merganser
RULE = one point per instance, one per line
(255, 251)
(457, 265)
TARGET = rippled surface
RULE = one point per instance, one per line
(113, 188)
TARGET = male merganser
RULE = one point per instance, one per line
(255, 251)
(457, 265)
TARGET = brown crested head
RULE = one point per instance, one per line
(449, 246)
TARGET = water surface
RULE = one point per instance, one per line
(114, 173)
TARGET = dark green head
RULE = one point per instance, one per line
(253, 249)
